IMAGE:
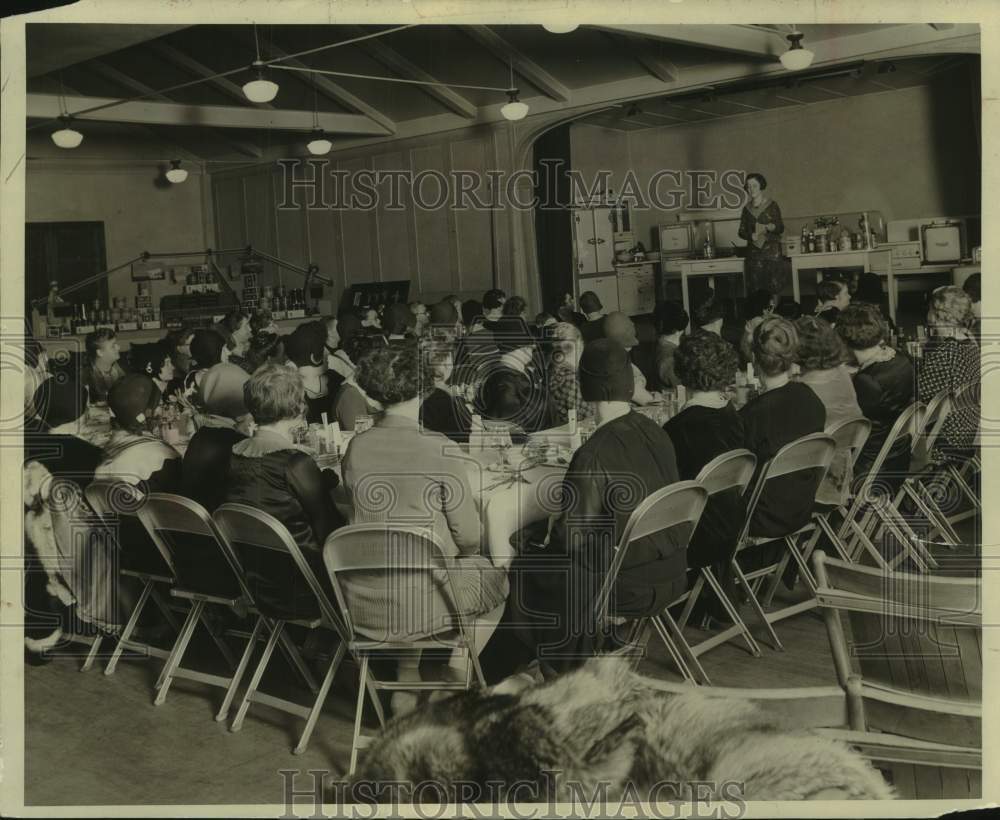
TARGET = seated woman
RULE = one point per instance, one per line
(869, 290)
(178, 342)
(822, 356)
(442, 411)
(431, 489)
(832, 296)
(706, 427)
(785, 411)
(270, 472)
(951, 361)
(620, 328)
(563, 384)
(340, 329)
(103, 368)
(350, 401)
(215, 374)
(235, 328)
(884, 385)
(306, 348)
(671, 320)
(515, 401)
(154, 360)
(628, 457)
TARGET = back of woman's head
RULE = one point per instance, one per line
(829, 289)
(820, 346)
(950, 307)
(206, 348)
(759, 303)
(274, 393)
(514, 306)
(861, 326)
(671, 318)
(306, 345)
(390, 374)
(436, 360)
(565, 339)
(360, 344)
(471, 310)
(398, 319)
(775, 345)
(869, 289)
(705, 361)
(132, 401)
(708, 312)
(149, 359)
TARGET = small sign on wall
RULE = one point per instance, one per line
(148, 272)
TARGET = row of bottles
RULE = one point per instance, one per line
(282, 300)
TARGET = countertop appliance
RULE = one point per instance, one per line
(941, 242)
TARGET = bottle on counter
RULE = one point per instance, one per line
(811, 242)
(708, 249)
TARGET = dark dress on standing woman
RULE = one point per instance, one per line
(765, 261)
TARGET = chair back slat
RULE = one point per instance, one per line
(117, 503)
(909, 424)
(389, 568)
(184, 530)
(850, 436)
(676, 506)
(278, 576)
(732, 470)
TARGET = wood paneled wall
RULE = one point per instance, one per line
(440, 250)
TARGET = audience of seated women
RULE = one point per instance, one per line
(884, 384)
(430, 489)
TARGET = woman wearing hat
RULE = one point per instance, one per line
(627, 458)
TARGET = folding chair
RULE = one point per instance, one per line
(813, 453)
(677, 505)
(192, 547)
(111, 499)
(283, 589)
(907, 649)
(399, 559)
(871, 514)
(729, 471)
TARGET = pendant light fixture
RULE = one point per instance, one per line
(514, 109)
(67, 136)
(560, 28)
(176, 174)
(796, 58)
(318, 143)
(260, 90)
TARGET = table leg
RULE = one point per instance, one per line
(893, 294)
(685, 298)
(796, 295)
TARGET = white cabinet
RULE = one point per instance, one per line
(593, 241)
(606, 288)
(636, 290)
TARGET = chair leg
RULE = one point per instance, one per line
(220, 642)
(129, 628)
(317, 706)
(291, 652)
(755, 605)
(778, 573)
(272, 641)
(683, 646)
(732, 611)
(930, 510)
(956, 476)
(164, 608)
(675, 653)
(177, 653)
(95, 648)
(692, 599)
(376, 702)
(241, 669)
(834, 537)
(358, 710)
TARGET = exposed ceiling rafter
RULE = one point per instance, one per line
(523, 65)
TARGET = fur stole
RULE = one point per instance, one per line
(602, 727)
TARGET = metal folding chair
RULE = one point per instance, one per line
(112, 499)
(678, 505)
(401, 562)
(812, 453)
(727, 472)
(192, 547)
(283, 589)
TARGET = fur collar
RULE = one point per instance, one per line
(264, 442)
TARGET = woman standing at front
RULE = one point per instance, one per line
(761, 226)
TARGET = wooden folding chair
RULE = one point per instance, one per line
(395, 563)
(283, 589)
(727, 472)
(111, 499)
(907, 648)
(192, 548)
(676, 506)
(812, 453)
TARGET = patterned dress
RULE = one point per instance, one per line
(564, 389)
(949, 364)
(765, 262)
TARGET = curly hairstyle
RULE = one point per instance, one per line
(514, 306)
(274, 393)
(149, 359)
(861, 326)
(671, 318)
(93, 341)
(759, 178)
(704, 362)
(390, 374)
(820, 346)
(950, 307)
(829, 289)
(775, 345)
(707, 312)
(306, 345)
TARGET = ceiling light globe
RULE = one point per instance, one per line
(177, 175)
(319, 144)
(560, 28)
(514, 110)
(795, 59)
(260, 91)
(67, 137)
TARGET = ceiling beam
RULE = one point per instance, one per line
(111, 73)
(525, 66)
(186, 62)
(55, 46)
(207, 116)
(335, 91)
(392, 59)
(638, 48)
(747, 40)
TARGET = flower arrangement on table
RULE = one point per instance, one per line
(830, 225)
